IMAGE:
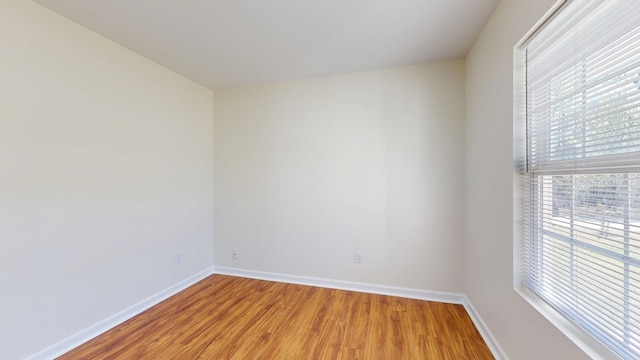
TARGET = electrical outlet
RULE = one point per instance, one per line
(357, 257)
(178, 258)
(234, 254)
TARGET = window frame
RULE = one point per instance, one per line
(583, 339)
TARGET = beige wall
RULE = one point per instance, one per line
(308, 172)
(521, 331)
(106, 171)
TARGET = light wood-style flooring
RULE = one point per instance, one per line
(226, 317)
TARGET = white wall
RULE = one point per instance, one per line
(106, 170)
(521, 331)
(308, 172)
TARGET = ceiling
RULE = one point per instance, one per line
(231, 43)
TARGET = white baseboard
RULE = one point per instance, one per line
(89, 333)
(486, 334)
(437, 296)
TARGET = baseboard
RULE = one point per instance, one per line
(486, 334)
(89, 333)
(437, 296)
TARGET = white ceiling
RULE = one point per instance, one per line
(229, 43)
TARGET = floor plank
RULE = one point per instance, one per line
(226, 317)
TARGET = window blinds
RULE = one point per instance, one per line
(581, 203)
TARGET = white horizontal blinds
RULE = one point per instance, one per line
(584, 254)
(581, 80)
(581, 195)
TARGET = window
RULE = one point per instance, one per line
(580, 190)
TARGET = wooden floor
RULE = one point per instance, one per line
(225, 317)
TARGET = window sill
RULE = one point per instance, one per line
(585, 341)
